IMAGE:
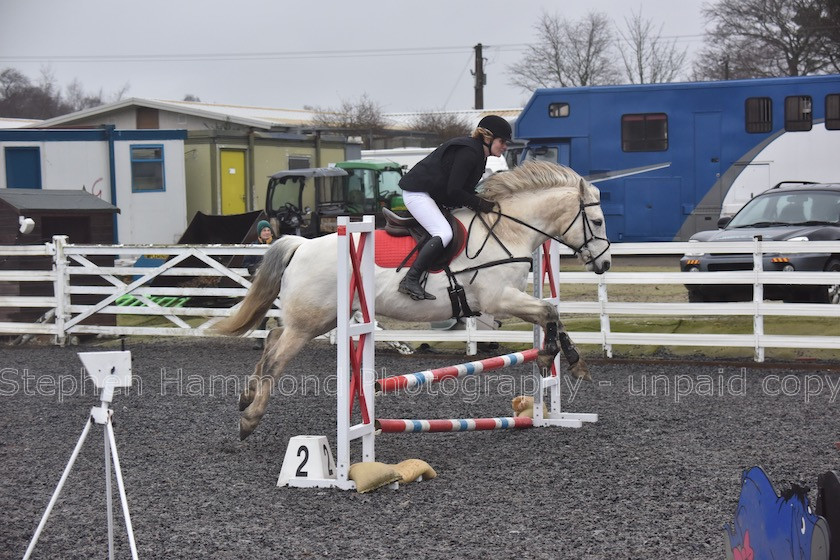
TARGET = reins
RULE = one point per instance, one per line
(588, 236)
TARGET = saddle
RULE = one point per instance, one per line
(402, 237)
(398, 227)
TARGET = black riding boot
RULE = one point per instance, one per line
(410, 284)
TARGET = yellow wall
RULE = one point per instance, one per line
(199, 181)
(270, 159)
(201, 163)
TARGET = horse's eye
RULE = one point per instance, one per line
(598, 223)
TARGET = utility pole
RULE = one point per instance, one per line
(480, 78)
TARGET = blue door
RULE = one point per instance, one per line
(707, 135)
(23, 167)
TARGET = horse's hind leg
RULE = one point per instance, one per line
(247, 396)
(275, 357)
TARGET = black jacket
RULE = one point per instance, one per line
(450, 173)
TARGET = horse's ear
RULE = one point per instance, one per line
(582, 186)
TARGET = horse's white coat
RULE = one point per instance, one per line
(308, 287)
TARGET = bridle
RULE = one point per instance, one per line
(588, 233)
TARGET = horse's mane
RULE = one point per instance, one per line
(530, 176)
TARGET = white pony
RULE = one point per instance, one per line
(535, 201)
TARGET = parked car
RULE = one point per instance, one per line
(786, 212)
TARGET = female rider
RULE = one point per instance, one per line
(448, 177)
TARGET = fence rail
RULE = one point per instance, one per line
(198, 284)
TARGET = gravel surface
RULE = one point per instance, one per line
(657, 475)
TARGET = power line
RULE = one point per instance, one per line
(279, 55)
(194, 57)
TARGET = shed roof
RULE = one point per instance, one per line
(263, 118)
(68, 201)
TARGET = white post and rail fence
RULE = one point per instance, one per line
(198, 284)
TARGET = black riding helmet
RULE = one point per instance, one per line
(498, 126)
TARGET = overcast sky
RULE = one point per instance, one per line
(405, 55)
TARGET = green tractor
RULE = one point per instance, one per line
(349, 188)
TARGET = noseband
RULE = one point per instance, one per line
(587, 229)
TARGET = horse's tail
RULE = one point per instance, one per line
(263, 290)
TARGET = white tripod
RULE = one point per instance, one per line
(107, 370)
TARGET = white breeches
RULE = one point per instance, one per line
(425, 210)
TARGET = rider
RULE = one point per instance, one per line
(448, 177)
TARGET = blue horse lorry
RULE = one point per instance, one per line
(671, 159)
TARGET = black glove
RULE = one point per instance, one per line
(484, 205)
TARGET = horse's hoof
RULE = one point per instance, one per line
(246, 428)
(581, 371)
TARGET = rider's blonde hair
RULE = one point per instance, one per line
(481, 133)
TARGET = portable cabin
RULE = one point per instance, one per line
(81, 216)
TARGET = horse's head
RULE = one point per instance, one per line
(586, 234)
(555, 201)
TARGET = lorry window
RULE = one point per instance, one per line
(832, 111)
(758, 114)
(557, 110)
(798, 113)
(646, 132)
(542, 153)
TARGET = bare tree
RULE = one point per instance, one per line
(441, 126)
(648, 57)
(362, 117)
(761, 38)
(19, 97)
(576, 53)
(824, 21)
(77, 99)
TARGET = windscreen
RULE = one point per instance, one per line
(787, 208)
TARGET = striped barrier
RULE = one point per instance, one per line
(397, 382)
(356, 377)
(453, 425)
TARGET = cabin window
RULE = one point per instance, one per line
(759, 114)
(832, 111)
(798, 113)
(646, 132)
(558, 110)
(147, 168)
(299, 162)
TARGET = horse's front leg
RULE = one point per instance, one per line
(534, 310)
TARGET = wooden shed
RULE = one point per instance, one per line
(81, 216)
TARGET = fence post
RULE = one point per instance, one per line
(606, 347)
(61, 287)
(471, 326)
(758, 297)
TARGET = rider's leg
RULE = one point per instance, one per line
(425, 210)
(410, 284)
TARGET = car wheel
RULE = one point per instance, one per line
(695, 296)
(831, 294)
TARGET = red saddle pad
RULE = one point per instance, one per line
(390, 250)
